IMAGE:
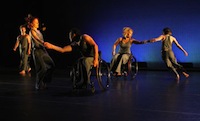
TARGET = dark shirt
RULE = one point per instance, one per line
(86, 49)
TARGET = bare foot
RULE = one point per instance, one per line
(119, 74)
(185, 74)
(177, 77)
(29, 70)
(22, 72)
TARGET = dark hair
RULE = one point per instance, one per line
(22, 26)
(167, 30)
(76, 31)
(29, 20)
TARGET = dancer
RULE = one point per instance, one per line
(44, 65)
(168, 54)
(88, 49)
(23, 42)
(121, 58)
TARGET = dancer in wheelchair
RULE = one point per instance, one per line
(88, 49)
(125, 42)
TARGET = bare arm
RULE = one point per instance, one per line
(115, 45)
(16, 44)
(64, 49)
(160, 38)
(139, 42)
(179, 46)
(91, 41)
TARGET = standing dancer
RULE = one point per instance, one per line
(168, 54)
(23, 42)
(44, 65)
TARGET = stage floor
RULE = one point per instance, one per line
(151, 96)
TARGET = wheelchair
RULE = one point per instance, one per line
(130, 69)
(100, 74)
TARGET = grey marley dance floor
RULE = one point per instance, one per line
(151, 96)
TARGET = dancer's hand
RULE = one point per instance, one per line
(113, 52)
(186, 54)
(96, 63)
(48, 45)
(152, 40)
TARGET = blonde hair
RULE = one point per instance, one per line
(127, 30)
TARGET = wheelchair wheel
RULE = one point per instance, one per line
(100, 75)
(132, 67)
(75, 76)
(103, 75)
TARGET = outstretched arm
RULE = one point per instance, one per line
(141, 42)
(137, 41)
(64, 49)
(160, 38)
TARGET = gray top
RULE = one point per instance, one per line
(35, 42)
(125, 47)
(166, 44)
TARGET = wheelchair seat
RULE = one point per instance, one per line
(129, 69)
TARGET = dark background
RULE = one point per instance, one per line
(104, 20)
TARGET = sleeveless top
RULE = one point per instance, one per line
(125, 47)
(166, 44)
(35, 42)
(23, 41)
(86, 49)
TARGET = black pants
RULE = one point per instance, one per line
(44, 66)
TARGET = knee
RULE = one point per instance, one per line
(169, 66)
(125, 59)
(114, 59)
